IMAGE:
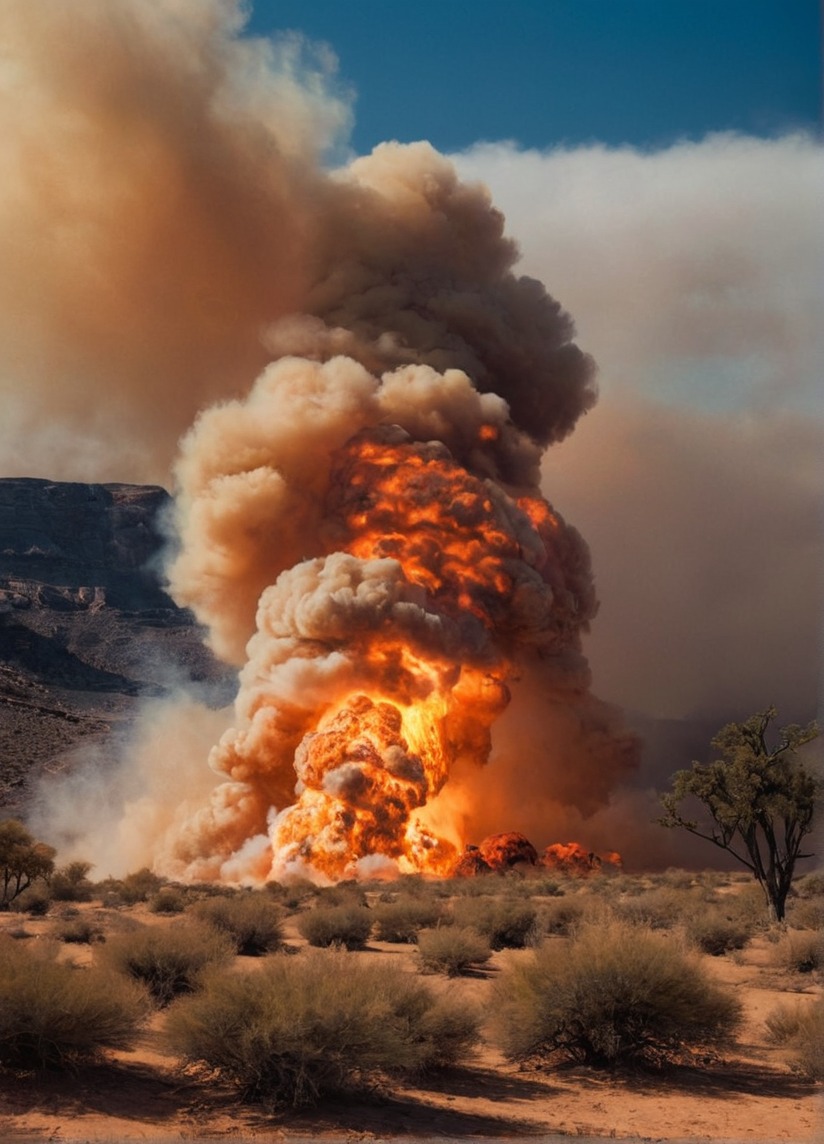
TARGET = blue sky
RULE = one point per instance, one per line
(544, 72)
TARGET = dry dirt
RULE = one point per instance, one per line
(750, 1094)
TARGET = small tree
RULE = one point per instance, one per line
(22, 860)
(761, 801)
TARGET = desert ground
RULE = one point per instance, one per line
(750, 1091)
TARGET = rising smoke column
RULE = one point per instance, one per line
(362, 533)
(370, 517)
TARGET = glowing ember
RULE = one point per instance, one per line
(512, 850)
(572, 858)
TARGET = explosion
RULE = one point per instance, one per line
(363, 534)
(383, 658)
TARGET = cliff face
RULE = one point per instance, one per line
(85, 626)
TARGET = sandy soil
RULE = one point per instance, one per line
(749, 1095)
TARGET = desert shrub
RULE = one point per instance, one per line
(799, 951)
(613, 993)
(168, 900)
(808, 1044)
(169, 959)
(783, 1022)
(534, 884)
(660, 908)
(810, 885)
(452, 949)
(677, 879)
(562, 915)
(805, 913)
(251, 920)
(78, 931)
(749, 903)
(55, 1016)
(71, 883)
(36, 901)
(293, 893)
(139, 886)
(800, 1029)
(348, 894)
(714, 932)
(18, 933)
(316, 1024)
(337, 925)
(402, 920)
(506, 922)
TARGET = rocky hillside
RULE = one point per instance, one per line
(85, 626)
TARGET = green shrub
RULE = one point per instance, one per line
(613, 993)
(168, 959)
(349, 926)
(250, 920)
(402, 920)
(55, 1016)
(168, 901)
(452, 949)
(316, 1024)
(714, 932)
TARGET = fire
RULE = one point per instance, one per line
(572, 858)
(370, 515)
(511, 850)
(433, 580)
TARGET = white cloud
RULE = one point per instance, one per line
(696, 278)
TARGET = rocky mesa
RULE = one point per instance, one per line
(86, 627)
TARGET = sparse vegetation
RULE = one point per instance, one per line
(613, 993)
(55, 1016)
(169, 900)
(168, 959)
(306, 1027)
(759, 801)
(507, 923)
(403, 919)
(799, 951)
(660, 908)
(71, 883)
(349, 926)
(23, 861)
(452, 949)
(78, 931)
(562, 915)
(800, 1029)
(715, 932)
(251, 920)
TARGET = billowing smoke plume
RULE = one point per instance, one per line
(363, 533)
(386, 528)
